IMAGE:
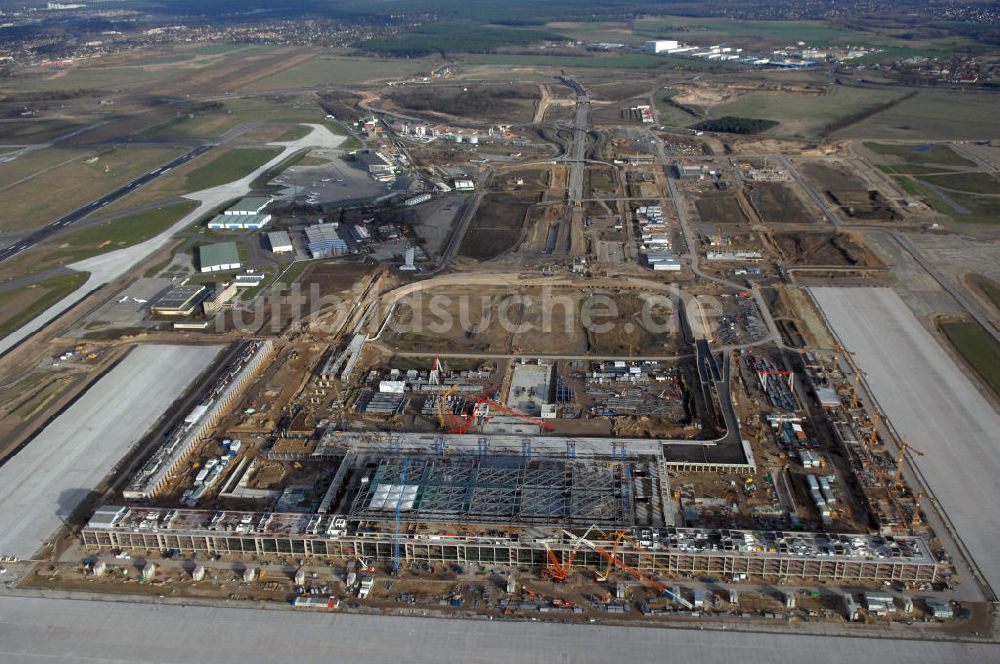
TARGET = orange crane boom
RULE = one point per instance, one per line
(620, 564)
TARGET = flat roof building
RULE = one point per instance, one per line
(219, 257)
(239, 222)
(179, 301)
(324, 241)
(251, 205)
(280, 242)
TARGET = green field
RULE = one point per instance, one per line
(228, 167)
(977, 209)
(780, 33)
(928, 153)
(978, 347)
(973, 183)
(804, 116)
(934, 115)
(335, 70)
(28, 302)
(33, 162)
(457, 37)
(989, 288)
(602, 61)
(124, 231)
(295, 133)
(46, 196)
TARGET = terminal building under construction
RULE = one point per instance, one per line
(510, 511)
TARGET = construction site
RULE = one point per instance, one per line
(594, 388)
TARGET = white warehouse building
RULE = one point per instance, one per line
(660, 45)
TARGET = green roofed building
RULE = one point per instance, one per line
(219, 257)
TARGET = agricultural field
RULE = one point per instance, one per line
(23, 304)
(932, 115)
(805, 116)
(31, 204)
(980, 350)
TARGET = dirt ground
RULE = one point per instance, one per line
(825, 249)
(777, 203)
(497, 225)
(513, 103)
(719, 208)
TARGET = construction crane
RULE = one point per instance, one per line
(620, 564)
(904, 448)
(619, 536)
(873, 438)
(839, 350)
(481, 412)
(557, 570)
(652, 559)
(443, 411)
(858, 374)
(915, 520)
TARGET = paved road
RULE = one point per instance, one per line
(933, 405)
(59, 224)
(59, 630)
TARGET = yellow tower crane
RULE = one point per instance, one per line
(443, 407)
(904, 449)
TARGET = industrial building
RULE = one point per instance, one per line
(781, 556)
(417, 200)
(324, 242)
(379, 167)
(180, 300)
(219, 257)
(249, 206)
(280, 242)
(242, 222)
(147, 482)
(246, 214)
(220, 297)
(660, 45)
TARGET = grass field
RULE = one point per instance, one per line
(988, 287)
(804, 116)
(24, 304)
(336, 70)
(920, 154)
(228, 167)
(972, 209)
(46, 197)
(980, 350)
(123, 231)
(780, 33)
(34, 162)
(25, 131)
(933, 115)
(602, 61)
(973, 183)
